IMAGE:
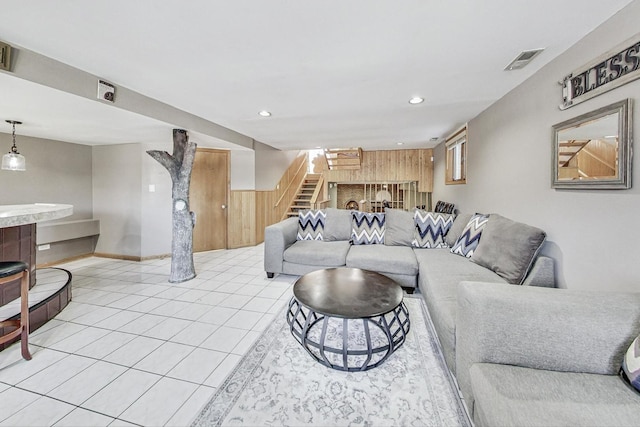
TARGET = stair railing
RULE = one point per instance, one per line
(284, 193)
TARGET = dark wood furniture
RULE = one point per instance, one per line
(9, 272)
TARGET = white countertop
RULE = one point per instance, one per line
(14, 215)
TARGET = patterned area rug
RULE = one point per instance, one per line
(278, 383)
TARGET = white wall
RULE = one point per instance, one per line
(57, 172)
(116, 198)
(270, 164)
(243, 170)
(136, 221)
(156, 226)
(592, 234)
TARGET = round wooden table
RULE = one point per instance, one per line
(347, 318)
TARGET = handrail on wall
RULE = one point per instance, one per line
(292, 180)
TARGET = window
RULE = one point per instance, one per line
(456, 145)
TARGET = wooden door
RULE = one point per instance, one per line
(208, 196)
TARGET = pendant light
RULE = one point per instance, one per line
(13, 161)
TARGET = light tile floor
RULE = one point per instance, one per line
(133, 349)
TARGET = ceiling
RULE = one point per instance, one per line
(332, 73)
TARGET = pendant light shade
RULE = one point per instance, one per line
(13, 161)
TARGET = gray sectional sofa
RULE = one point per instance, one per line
(545, 357)
(522, 355)
(436, 272)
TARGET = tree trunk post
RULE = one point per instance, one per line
(179, 166)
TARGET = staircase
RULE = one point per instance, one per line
(305, 193)
(343, 158)
(567, 150)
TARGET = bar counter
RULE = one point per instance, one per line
(18, 237)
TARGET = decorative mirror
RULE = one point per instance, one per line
(594, 150)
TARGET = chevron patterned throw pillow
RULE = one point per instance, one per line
(367, 228)
(431, 227)
(630, 371)
(470, 237)
(444, 207)
(311, 224)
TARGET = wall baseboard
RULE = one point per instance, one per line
(117, 256)
(131, 257)
(161, 256)
(245, 245)
(64, 260)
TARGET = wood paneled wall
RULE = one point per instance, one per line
(266, 214)
(242, 219)
(390, 166)
(598, 159)
(251, 211)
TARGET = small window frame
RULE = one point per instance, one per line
(456, 157)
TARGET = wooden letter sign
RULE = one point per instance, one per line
(610, 70)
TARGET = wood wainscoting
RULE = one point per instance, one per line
(242, 219)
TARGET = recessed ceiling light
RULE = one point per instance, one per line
(416, 100)
(265, 113)
(400, 143)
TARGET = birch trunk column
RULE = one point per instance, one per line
(179, 166)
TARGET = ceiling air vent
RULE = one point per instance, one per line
(523, 59)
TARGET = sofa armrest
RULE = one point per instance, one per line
(542, 328)
(277, 238)
(542, 273)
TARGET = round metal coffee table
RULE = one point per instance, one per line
(348, 319)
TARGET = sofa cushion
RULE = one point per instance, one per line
(310, 224)
(399, 227)
(439, 275)
(441, 272)
(631, 365)
(367, 228)
(313, 252)
(383, 259)
(470, 236)
(337, 225)
(430, 229)
(508, 248)
(516, 396)
(444, 207)
(459, 223)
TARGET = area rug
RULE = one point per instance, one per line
(278, 383)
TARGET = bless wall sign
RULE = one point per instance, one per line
(615, 68)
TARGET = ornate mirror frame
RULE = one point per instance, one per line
(622, 178)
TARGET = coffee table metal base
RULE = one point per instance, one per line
(393, 325)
